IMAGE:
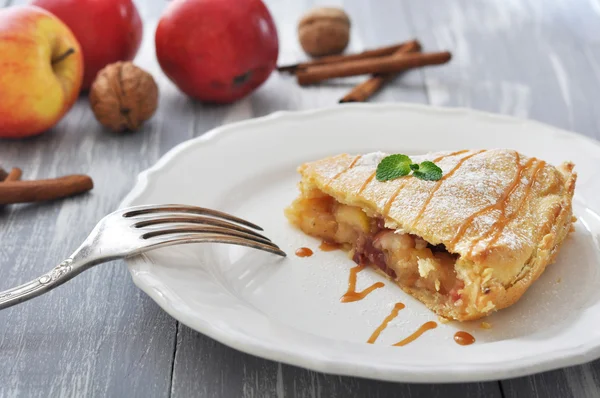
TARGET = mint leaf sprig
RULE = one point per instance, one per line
(398, 165)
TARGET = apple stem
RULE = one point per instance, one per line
(63, 56)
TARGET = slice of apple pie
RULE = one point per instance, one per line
(466, 244)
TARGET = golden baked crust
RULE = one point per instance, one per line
(504, 214)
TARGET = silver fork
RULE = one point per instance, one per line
(137, 229)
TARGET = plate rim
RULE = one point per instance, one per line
(576, 355)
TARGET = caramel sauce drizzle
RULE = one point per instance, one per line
(463, 338)
(500, 203)
(304, 252)
(504, 222)
(422, 329)
(335, 177)
(354, 161)
(364, 185)
(399, 306)
(388, 319)
(450, 154)
(440, 182)
(370, 178)
(388, 204)
(351, 294)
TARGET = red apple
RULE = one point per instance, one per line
(217, 50)
(108, 30)
(41, 67)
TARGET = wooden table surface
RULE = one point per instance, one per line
(100, 336)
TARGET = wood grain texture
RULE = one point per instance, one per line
(97, 335)
(533, 59)
(209, 369)
(100, 336)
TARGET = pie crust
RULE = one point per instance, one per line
(467, 245)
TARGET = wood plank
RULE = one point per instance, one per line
(90, 336)
(522, 59)
(97, 335)
(576, 382)
(530, 59)
(206, 368)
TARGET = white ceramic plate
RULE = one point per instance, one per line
(288, 310)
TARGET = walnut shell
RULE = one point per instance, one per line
(123, 96)
(324, 31)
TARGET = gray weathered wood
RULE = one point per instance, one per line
(209, 369)
(534, 59)
(574, 382)
(100, 336)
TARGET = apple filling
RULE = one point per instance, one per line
(407, 259)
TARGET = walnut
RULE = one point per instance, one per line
(123, 96)
(324, 31)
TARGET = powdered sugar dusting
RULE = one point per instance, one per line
(370, 159)
(473, 182)
(330, 172)
(478, 186)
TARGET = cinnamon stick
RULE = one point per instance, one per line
(14, 175)
(366, 89)
(42, 190)
(333, 59)
(389, 64)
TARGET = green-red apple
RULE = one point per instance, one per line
(41, 70)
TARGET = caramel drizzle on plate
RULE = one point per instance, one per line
(304, 252)
(397, 307)
(464, 338)
(388, 319)
(422, 329)
(440, 182)
(351, 294)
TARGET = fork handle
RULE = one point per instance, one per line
(59, 275)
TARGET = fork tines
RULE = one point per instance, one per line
(205, 225)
